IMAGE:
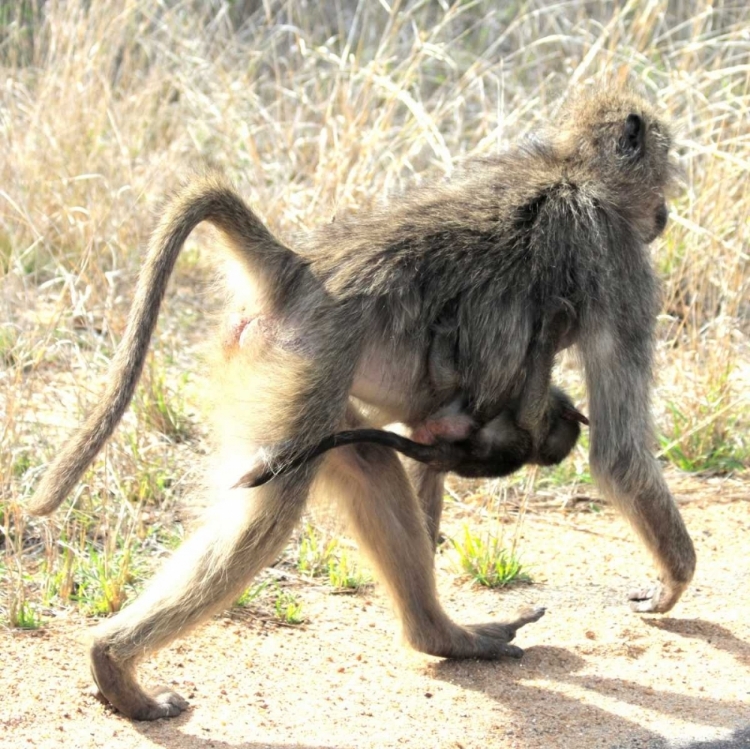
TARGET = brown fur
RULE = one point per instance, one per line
(537, 248)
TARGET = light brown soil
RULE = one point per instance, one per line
(594, 674)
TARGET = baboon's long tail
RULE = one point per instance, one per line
(203, 199)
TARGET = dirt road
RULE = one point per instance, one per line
(594, 674)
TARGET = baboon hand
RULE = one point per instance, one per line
(655, 599)
(570, 413)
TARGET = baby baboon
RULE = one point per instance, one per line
(536, 248)
(495, 449)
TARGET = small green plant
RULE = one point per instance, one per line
(487, 562)
(152, 481)
(563, 474)
(23, 615)
(672, 254)
(97, 579)
(8, 341)
(21, 463)
(347, 574)
(252, 593)
(6, 252)
(101, 581)
(162, 408)
(709, 438)
(319, 556)
(288, 608)
(315, 552)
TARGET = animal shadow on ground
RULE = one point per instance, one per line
(543, 712)
(740, 739)
(714, 634)
(572, 721)
(170, 736)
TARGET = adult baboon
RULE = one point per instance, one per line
(495, 449)
(539, 247)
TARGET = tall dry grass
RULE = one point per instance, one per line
(311, 108)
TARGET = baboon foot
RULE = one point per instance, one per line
(117, 686)
(486, 641)
(655, 599)
(491, 640)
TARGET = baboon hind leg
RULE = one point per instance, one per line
(371, 484)
(205, 574)
(245, 530)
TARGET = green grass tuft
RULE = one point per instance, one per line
(319, 556)
(485, 561)
(288, 608)
(25, 616)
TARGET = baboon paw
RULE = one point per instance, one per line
(506, 631)
(653, 599)
(163, 704)
(97, 694)
(513, 651)
(491, 640)
(502, 650)
(529, 615)
(166, 704)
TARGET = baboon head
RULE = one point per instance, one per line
(616, 143)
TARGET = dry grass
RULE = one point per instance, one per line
(311, 108)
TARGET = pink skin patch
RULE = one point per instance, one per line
(242, 329)
(450, 428)
(234, 330)
(248, 328)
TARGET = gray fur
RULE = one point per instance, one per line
(538, 248)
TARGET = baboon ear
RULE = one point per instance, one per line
(633, 136)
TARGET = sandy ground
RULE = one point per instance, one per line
(594, 673)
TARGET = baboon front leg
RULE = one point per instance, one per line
(372, 485)
(205, 575)
(618, 383)
(647, 503)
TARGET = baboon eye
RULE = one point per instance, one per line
(633, 136)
